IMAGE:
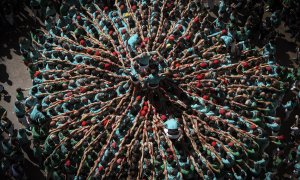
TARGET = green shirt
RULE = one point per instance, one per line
(20, 96)
(22, 137)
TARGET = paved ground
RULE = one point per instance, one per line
(13, 72)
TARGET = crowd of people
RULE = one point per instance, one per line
(11, 155)
(157, 89)
(7, 9)
(288, 11)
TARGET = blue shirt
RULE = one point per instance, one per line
(19, 111)
(153, 79)
(35, 114)
(171, 124)
(133, 41)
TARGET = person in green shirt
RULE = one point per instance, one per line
(7, 126)
(187, 171)
(32, 69)
(20, 112)
(37, 115)
(22, 138)
(38, 153)
(20, 95)
(24, 44)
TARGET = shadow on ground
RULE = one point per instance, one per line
(24, 22)
(4, 76)
(283, 48)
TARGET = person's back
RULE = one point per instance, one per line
(36, 113)
(172, 129)
(19, 109)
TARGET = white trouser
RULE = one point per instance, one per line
(172, 136)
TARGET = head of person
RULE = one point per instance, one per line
(18, 104)
(39, 107)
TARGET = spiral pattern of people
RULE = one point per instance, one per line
(143, 90)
